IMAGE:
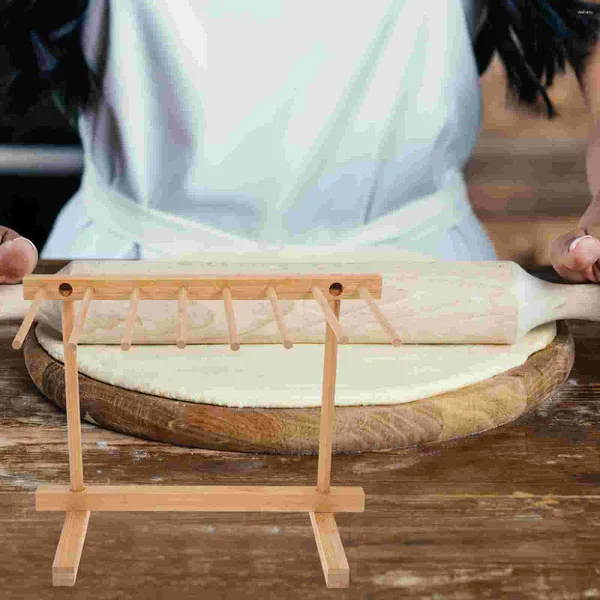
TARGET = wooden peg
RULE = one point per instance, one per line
(385, 324)
(126, 341)
(40, 296)
(182, 310)
(331, 318)
(279, 317)
(81, 315)
(234, 341)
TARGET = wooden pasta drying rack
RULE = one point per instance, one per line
(79, 500)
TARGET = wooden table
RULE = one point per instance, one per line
(512, 513)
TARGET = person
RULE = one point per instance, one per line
(280, 125)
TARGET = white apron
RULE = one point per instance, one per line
(275, 124)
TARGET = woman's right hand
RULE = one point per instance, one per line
(18, 256)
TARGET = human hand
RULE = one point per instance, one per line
(18, 256)
(576, 254)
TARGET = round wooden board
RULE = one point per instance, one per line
(452, 415)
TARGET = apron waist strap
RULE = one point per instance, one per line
(167, 234)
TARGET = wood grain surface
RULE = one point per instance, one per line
(513, 513)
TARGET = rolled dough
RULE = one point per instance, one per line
(266, 374)
(452, 302)
(157, 320)
(271, 376)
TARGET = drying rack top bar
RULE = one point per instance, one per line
(205, 287)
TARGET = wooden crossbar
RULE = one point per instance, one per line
(321, 501)
(243, 287)
(200, 498)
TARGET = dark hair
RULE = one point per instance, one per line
(42, 59)
(534, 39)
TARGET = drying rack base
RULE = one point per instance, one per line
(321, 507)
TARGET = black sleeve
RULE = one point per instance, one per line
(534, 40)
(41, 57)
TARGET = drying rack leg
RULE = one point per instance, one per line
(70, 547)
(331, 551)
(327, 404)
(72, 400)
(72, 538)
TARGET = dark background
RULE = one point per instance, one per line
(29, 203)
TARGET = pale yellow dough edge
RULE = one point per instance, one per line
(271, 376)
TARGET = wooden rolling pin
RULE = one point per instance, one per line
(425, 302)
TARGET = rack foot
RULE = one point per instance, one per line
(331, 551)
(70, 547)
